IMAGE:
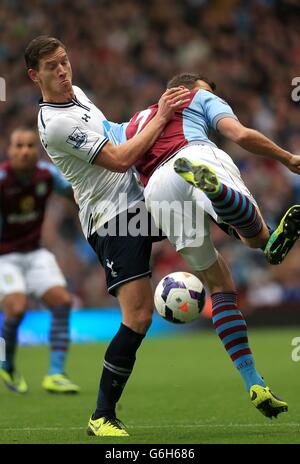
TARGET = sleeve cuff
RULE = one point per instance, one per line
(97, 150)
(222, 116)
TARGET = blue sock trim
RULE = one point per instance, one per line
(245, 362)
(59, 338)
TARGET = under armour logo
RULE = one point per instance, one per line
(86, 117)
(110, 266)
(116, 384)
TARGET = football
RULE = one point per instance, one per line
(179, 297)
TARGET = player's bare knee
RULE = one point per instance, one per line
(65, 300)
(138, 318)
(142, 316)
(15, 306)
(218, 277)
(15, 311)
(144, 320)
(58, 296)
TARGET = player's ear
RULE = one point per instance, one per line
(32, 73)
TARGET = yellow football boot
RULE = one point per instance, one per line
(14, 382)
(59, 383)
(106, 427)
(266, 402)
(284, 237)
(199, 175)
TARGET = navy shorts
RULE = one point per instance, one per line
(123, 257)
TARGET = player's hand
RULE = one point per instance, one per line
(293, 164)
(172, 100)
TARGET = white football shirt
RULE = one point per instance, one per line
(73, 134)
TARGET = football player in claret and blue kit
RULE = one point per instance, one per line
(25, 267)
(184, 166)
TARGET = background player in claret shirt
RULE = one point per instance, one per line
(72, 130)
(212, 183)
(25, 267)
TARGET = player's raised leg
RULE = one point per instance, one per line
(231, 328)
(59, 301)
(136, 302)
(232, 206)
(237, 209)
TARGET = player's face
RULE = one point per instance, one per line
(23, 150)
(54, 75)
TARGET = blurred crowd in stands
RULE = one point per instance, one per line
(123, 53)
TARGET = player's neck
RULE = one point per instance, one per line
(58, 98)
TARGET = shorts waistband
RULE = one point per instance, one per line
(196, 142)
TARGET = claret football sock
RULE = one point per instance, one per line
(236, 209)
(59, 339)
(10, 333)
(230, 326)
(232, 206)
(118, 364)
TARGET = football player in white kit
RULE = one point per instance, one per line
(72, 130)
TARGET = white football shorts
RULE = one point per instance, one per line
(32, 273)
(181, 210)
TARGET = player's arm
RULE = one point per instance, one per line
(221, 117)
(255, 142)
(119, 158)
(69, 135)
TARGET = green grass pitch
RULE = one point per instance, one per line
(184, 390)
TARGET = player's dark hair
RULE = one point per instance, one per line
(189, 80)
(40, 47)
(24, 128)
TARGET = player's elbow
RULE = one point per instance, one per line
(233, 130)
(113, 159)
(241, 136)
(121, 159)
(123, 165)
